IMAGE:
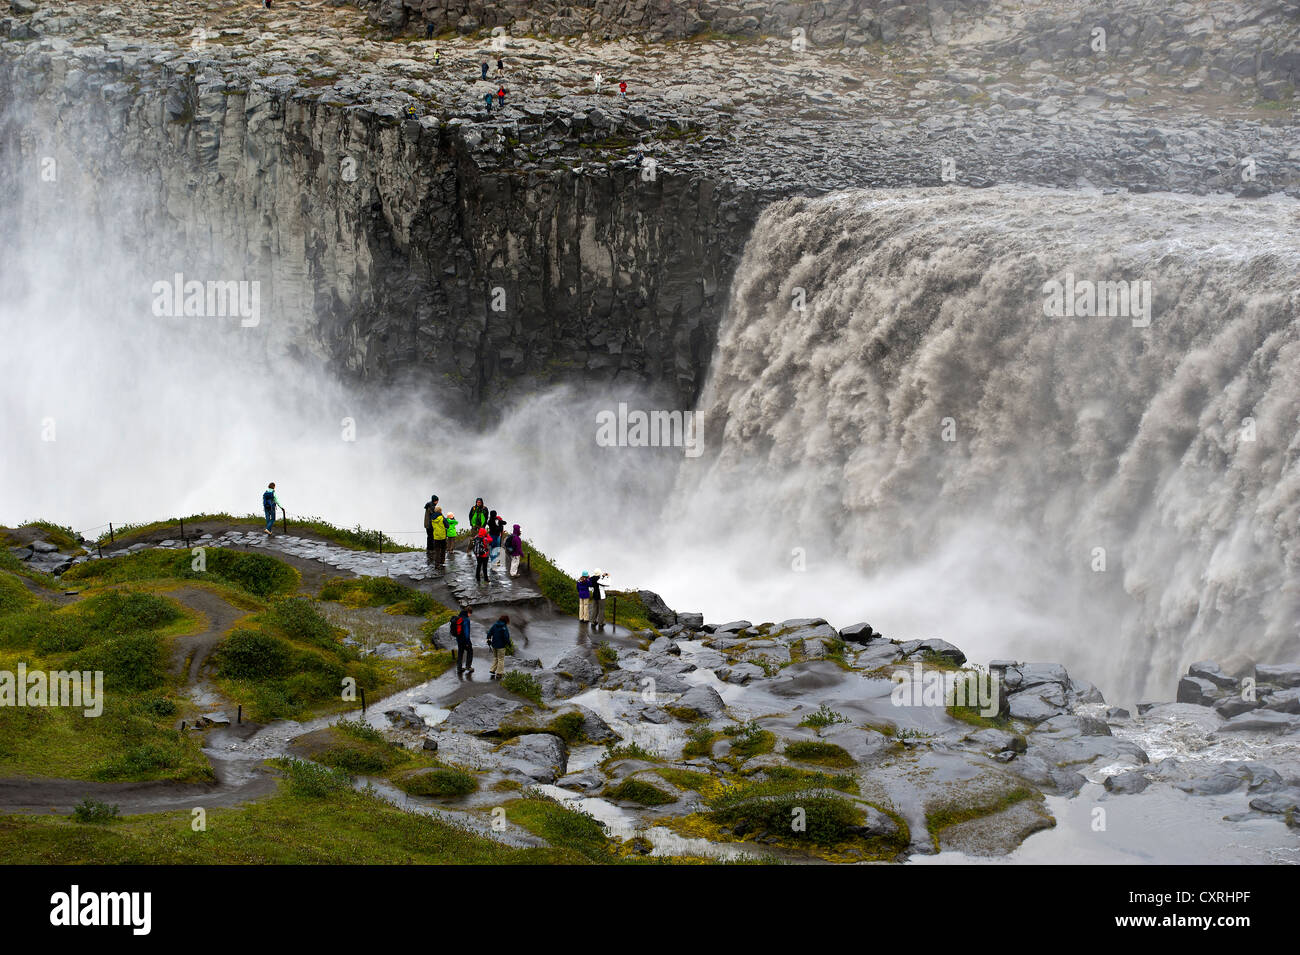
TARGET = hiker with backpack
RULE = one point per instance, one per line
(514, 551)
(429, 508)
(482, 550)
(269, 503)
(597, 600)
(438, 531)
(464, 648)
(498, 638)
(451, 522)
(584, 598)
(478, 515)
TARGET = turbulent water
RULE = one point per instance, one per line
(1121, 493)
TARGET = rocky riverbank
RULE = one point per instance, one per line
(792, 738)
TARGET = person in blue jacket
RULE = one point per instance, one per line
(464, 648)
(269, 503)
(498, 637)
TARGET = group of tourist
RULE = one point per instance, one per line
(489, 544)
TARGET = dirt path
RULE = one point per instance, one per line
(239, 780)
(196, 647)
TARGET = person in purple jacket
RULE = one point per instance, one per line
(584, 598)
(514, 551)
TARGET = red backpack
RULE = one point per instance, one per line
(481, 547)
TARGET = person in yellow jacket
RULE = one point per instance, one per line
(439, 532)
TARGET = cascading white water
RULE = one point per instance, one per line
(1117, 495)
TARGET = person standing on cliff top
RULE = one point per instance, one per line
(496, 531)
(478, 515)
(428, 35)
(481, 548)
(597, 615)
(514, 551)
(430, 506)
(501, 65)
(485, 69)
(584, 597)
(269, 503)
(438, 532)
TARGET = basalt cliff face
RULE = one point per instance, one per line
(401, 231)
(383, 246)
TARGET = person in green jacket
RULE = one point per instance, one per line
(478, 515)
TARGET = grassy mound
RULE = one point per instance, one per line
(353, 538)
(384, 592)
(825, 754)
(638, 791)
(441, 780)
(794, 811)
(256, 574)
(288, 660)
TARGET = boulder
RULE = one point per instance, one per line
(594, 727)
(1129, 783)
(581, 666)
(405, 716)
(1287, 674)
(1260, 721)
(1234, 706)
(1193, 689)
(1209, 670)
(735, 626)
(663, 645)
(1033, 707)
(539, 757)
(657, 612)
(798, 623)
(1284, 800)
(944, 649)
(691, 621)
(588, 780)
(1035, 674)
(740, 673)
(481, 714)
(1283, 701)
(1081, 691)
(858, 633)
(699, 703)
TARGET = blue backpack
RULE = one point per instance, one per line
(268, 500)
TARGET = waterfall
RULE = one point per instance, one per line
(1114, 489)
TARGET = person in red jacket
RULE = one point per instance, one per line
(622, 89)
